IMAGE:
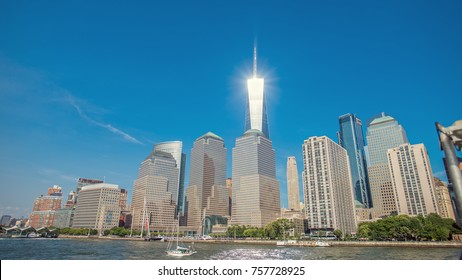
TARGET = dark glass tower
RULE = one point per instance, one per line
(351, 139)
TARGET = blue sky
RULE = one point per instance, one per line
(87, 88)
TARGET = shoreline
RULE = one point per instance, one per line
(411, 244)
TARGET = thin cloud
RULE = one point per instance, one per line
(74, 103)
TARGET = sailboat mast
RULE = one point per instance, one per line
(131, 227)
(142, 220)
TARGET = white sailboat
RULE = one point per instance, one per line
(145, 222)
(174, 249)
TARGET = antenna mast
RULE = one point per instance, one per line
(255, 62)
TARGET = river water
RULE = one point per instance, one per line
(100, 249)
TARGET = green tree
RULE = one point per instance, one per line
(338, 233)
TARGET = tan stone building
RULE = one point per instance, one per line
(98, 207)
(412, 180)
(443, 200)
(329, 199)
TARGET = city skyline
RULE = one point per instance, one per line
(85, 97)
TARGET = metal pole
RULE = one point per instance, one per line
(454, 172)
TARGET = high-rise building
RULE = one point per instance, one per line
(352, 140)
(208, 174)
(155, 192)
(44, 210)
(82, 182)
(175, 148)
(412, 180)
(443, 199)
(329, 198)
(255, 189)
(255, 116)
(383, 133)
(98, 207)
(292, 184)
(256, 194)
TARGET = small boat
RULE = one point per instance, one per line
(177, 250)
(286, 242)
(181, 251)
(320, 243)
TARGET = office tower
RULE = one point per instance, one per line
(292, 184)
(82, 182)
(44, 210)
(155, 192)
(255, 116)
(383, 133)
(329, 198)
(98, 207)
(443, 199)
(208, 174)
(256, 194)
(175, 148)
(352, 140)
(193, 205)
(412, 180)
(229, 187)
(123, 200)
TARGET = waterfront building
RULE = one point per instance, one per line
(255, 116)
(412, 180)
(155, 192)
(292, 184)
(175, 148)
(82, 182)
(329, 198)
(351, 138)
(98, 207)
(298, 219)
(64, 217)
(44, 209)
(208, 174)
(256, 194)
(193, 205)
(443, 199)
(5, 220)
(255, 189)
(383, 133)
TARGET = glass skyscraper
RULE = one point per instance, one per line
(352, 140)
(383, 133)
(208, 175)
(256, 194)
(155, 192)
(175, 148)
(255, 116)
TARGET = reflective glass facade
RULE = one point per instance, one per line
(175, 148)
(256, 117)
(383, 133)
(256, 194)
(352, 140)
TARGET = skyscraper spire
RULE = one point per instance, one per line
(255, 61)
